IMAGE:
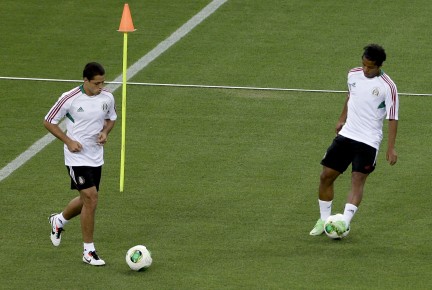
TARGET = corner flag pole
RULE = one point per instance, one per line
(126, 25)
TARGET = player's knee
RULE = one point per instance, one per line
(89, 197)
(328, 176)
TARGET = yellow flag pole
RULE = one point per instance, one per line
(126, 25)
(123, 127)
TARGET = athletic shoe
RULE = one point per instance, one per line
(93, 259)
(55, 230)
(340, 227)
(318, 228)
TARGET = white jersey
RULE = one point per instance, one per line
(85, 116)
(370, 101)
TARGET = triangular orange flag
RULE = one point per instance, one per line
(126, 24)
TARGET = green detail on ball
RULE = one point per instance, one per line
(136, 256)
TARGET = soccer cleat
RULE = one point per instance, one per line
(92, 258)
(55, 230)
(318, 228)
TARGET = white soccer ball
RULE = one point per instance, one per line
(329, 230)
(138, 258)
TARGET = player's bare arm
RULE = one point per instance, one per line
(391, 154)
(73, 146)
(103, 135)
(343, 116)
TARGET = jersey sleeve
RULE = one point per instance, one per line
(112, 112)
(58, 111)
(392, 101)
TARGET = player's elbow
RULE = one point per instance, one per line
(46, 124)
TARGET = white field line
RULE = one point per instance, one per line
(131, 72)
(204, 86)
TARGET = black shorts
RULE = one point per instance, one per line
(83, 177)
(344, 151)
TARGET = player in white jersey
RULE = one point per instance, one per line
(372, 97)
(89, 112)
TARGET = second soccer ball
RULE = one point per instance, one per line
(138, 258)
(330, 228)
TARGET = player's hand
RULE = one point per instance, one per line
(74, 146)
(102, 138)
(391, 156)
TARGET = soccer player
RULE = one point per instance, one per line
(89, 112)
(372, 97)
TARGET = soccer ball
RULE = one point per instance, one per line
(329, 230)
(138, 258)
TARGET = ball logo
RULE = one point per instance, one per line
(137, 256)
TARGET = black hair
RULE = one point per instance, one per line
(93, 69)
(376, 53)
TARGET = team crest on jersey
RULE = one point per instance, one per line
(375, 92)
(81, 180)
(105, 107)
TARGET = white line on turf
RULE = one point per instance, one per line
(132, 71)
(207, 86)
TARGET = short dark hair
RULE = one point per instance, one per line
(93, 69)
(375, 52)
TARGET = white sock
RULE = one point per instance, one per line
(325, 208)
(61, 221)
(349, 212)
(89, 247)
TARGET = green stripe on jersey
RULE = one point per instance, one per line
(69, 116)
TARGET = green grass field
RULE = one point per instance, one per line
(221, 185)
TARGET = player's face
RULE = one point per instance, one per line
(94, 87)
(370, 69)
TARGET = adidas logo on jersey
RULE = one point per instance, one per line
(80, 109)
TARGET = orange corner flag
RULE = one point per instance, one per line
(126, 24)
